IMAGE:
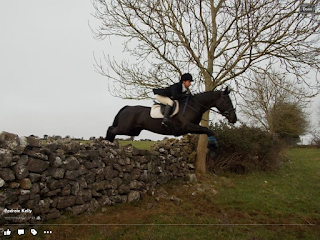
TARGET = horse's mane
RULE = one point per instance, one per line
(200, 93)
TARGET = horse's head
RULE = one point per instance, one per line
(224, 105)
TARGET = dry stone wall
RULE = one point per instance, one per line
(40, 181)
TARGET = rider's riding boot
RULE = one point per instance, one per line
(166, 120)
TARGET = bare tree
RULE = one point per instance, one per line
(221, 41)
(318, 113)
(273, 102)
(316, 131)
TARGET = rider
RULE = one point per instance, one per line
(177, 91)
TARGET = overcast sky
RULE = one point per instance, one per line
(47, 79)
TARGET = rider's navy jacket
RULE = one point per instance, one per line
(174, 91)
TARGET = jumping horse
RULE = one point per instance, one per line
(131, 120)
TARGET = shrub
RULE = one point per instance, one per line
(242, 149)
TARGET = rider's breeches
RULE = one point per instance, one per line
(164, 100)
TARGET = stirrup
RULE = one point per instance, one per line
(165, 122)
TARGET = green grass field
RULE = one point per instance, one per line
(138, 144)
(282, 204)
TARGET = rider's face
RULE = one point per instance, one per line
(187, 83)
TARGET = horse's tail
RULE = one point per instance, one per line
(116, 119)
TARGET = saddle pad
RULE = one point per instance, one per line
(156, 111)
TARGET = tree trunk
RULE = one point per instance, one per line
(200, 164)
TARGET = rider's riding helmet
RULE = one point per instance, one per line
(186, 77)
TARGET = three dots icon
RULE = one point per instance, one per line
(47, 232)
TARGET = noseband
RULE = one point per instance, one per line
(225, 113)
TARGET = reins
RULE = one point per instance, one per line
(225, 113)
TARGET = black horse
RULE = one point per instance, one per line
(131, 120)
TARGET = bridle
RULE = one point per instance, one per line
(225, 113)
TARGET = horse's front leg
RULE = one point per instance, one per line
(194, 128)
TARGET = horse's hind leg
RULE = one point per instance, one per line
(135, 132)
(113, 131)
(110, 135)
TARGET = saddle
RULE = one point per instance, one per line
(157, 110)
